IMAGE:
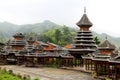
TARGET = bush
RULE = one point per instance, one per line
(10, 71)
(108, 79)
(26, 77)
(36, 79)
(19, 75)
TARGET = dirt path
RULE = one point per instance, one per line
(49, 73)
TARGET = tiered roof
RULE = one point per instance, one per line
(19, 35)
(106, 45)
(84, 21)
(115, 58)
(17, 43)
(83, 41)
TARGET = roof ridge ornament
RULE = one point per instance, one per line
(107, 42)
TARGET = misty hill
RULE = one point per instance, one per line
(113, 40)
(39, 27)
(8, 29)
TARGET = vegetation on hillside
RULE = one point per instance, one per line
(57, 36)
(46, 28)
(61, 36)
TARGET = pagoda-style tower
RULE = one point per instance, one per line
(18, 43)
(15, 47)
(84, 42)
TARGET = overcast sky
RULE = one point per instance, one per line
(104, 14)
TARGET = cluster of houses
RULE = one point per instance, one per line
(103, 59)
(31, 52)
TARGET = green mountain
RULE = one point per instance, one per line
(39, 27)
(8, 29)
(103, 36)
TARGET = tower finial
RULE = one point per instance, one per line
(106, 37)
(84, 10)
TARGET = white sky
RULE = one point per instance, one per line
(104, 14)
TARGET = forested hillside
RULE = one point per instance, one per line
(48, 31)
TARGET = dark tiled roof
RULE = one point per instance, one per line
(84, 21)
(114, 55)
(31, 38)
(42, 43)
(106, 44)
(53, 44)
(101, 57)
(88, 56)
(44, 54)
(65, 55)
(39, 47)
(19, 35)
(115, 58)
(17, 42)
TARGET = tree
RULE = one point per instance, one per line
(58, 34)
(66, 30)
(97, 41)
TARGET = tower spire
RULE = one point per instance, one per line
(106, 37)
(84, 21)
(84, 10)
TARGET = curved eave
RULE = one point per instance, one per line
(102, 56)
(90, 41)
(42, 55)
(17, 44)
(85, 57)
(112, 61)
(83, 37)
(82, 50)
(18, 36)
(19, 55)
(93, 45)
(105, 48)
(84, 31)
(83, 34)
(84, 24)
(67, 56)
(55, 49)
(99, 59)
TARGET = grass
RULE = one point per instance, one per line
(6, 76)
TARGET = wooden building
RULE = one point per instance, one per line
(114, 67)
(105, 62)
(13, 48)
(101, 59)
(84, 42)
